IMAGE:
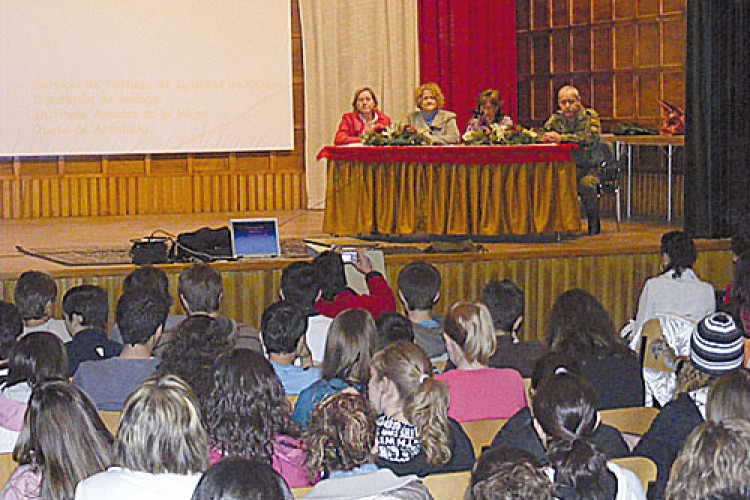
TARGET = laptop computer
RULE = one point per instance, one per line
(255, 238)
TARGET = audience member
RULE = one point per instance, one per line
(364, 117)
(419, 291)
(86, 310)
(340, 441)
(509, 474)
(201, 289)
(352, 339)
(505, 301)
(677, 290)
(576, 124)
(248, 416)
(301, 285)
(581, 329)
(715, 460)
(11, 327)
(566, 411)
(523, 432)
(739, 300)
(35, 296)
(477, 392)
(338, 297)
(140, 315)
(489, 112)
(34, 359)
(716, 349)
(415, 434)
(151, 278)
(282, 328)
(437, 124)
(161, 447)
(729, 397)
(197, 342)
(394, 327)
(241, 479)
(63, 442)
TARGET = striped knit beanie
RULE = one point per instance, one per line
(717, 345)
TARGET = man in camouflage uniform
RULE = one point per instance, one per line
(573, 123)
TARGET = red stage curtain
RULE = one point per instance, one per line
(466, 47)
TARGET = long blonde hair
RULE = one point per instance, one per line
(470, 326)
(424, 399)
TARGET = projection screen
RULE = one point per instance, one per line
(144, 76)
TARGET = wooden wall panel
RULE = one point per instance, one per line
(165, 183)
(615, 280)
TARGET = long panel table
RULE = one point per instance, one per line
(451, 190)
(664, 141)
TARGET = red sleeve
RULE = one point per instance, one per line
(347, 132)
(379, 300)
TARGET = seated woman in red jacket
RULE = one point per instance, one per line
(364, 117)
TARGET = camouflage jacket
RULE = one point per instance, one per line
(583, 131)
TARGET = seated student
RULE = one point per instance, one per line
(716, 349)
(241, 479)
(419, 291)
(141, 316)
(282, 328)
(301, 285)
(197, 342)
(35, 296)
(580, 328)
(505, 301)
(161, 447)
(337, 296)
(63, 442)
(249, 416)
(85, 309)
(201, 289)
(352, 339)
(714, 461)
(340, 441)
(415, 434)
(523, 431)
(566, 411)
(151, 278)
(508, 473)
(394, 327)
(477, 392)
(34, 359)
(11, 327)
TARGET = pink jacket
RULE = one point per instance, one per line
(352, 127)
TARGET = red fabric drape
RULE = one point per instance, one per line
(466, 47)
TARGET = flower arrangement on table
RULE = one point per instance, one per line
(398, 134)
(505, 135)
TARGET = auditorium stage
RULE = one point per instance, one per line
(612, 266)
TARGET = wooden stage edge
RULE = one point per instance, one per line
(612, 266)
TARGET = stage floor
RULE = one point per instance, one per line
(100, 232)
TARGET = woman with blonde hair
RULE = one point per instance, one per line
(436, 123)
(477, 392)
(340, 441)
(161, 448)
(63, 441)
(415, 434)
(365, 116)
(352, 337)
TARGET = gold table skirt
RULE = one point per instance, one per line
(451, 199)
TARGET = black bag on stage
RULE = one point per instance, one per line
(205, 245)
(150, 251)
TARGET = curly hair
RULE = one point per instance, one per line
(680, 250)
(198, 341)
(431, 87)
(580, 327)
(247, 407)
(341, 434)
(508, 474)
(716, 456)
(424, 399)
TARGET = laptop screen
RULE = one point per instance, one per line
(255, 237)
